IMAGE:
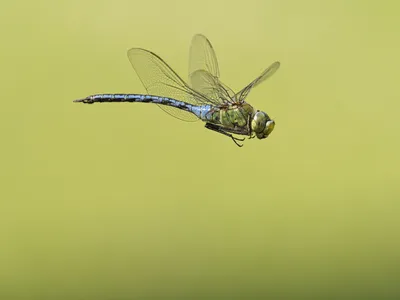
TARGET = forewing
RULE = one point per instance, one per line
(204, 71)
(202, 56)
(241, 96)
(211, 87)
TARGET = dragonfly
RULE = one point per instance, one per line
(204, 97)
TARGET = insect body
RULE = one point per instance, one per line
(206, 98)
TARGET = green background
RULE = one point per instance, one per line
(121, 201)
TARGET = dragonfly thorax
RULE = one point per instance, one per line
(262, 125)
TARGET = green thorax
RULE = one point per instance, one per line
(233, 116)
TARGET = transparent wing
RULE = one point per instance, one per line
(159, 79)
(202, 56)
(210, 86)
(204, 71)
(240, 96)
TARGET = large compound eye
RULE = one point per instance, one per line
(258, 122)
(269, 127)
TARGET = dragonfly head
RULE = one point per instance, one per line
(262, 125)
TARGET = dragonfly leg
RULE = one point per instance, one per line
(235, 141)
(220, 130)
(251, 134)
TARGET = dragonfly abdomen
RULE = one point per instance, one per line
(205, 112)
(99, 98)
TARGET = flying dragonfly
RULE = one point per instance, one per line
(204, 97)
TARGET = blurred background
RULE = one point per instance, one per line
(122, 201)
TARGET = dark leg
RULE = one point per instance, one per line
(251, 135)
(220, 130)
